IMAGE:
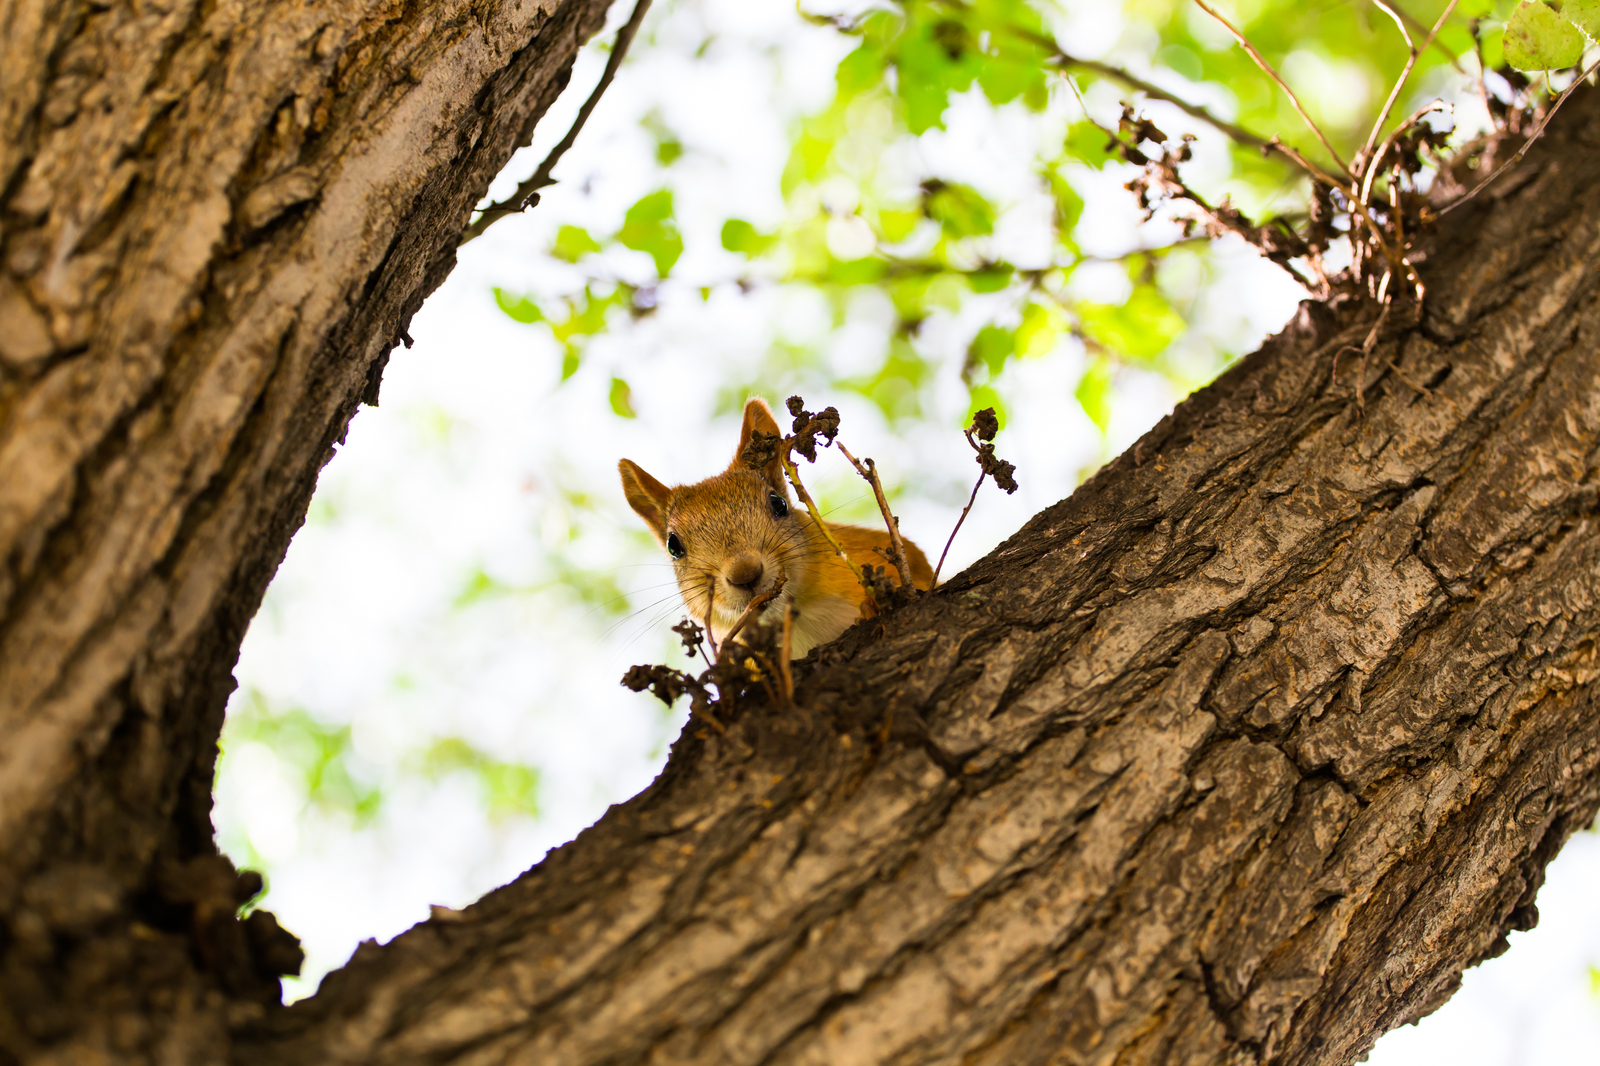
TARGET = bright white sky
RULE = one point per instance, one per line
(481, 461)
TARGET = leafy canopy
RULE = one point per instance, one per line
(865, 216)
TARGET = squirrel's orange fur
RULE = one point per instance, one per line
(734, 544)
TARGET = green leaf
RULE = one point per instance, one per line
(519, 308)
(991, 278)
(569, 362)
(937, 56)
(1040, 328)
(622, 398)
(479, 586)
(572, 243)
(740, 236)
(1584, 14)
(991, 348)
(669, 147)
(859, 71)
(507, 788)
(1140, 327)
(1094, 392)
(855, 271)
(895, 226)
(648, 227)
(960, 210)
(1088, 143)
(1537, 38)
(985, 396)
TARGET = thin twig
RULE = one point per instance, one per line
(764, 670)
(708, 718)
(1238, 133)
(752, 608)
(1417, 24)
(811, 505)
(525, 195)
(711, 595)
(956, 530)
(1371, 161)
(1534, 136)
(1371, 164)
(1261, 61)
(870, 473)
(785, 653)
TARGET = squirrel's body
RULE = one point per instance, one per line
(731, 536)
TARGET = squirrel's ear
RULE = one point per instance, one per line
(647, 496)
(758, 418)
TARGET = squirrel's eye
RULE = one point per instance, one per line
(780, 506)
(675, 546)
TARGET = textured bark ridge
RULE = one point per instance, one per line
(215, 221)
(1238, 755)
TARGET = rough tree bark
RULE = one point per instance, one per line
(1239, 754)
(218, 218)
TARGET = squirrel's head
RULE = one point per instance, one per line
(731, 535)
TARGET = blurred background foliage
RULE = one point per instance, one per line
(868, 213)
(907, 209)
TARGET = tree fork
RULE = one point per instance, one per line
(1239, 754)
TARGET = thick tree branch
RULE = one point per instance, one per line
(1239, 754)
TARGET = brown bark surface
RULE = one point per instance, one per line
(215, 222)
(1238, 755)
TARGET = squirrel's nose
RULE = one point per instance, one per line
(744, 573)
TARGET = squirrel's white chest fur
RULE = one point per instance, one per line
(822, 620)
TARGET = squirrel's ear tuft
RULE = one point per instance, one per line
(647, 496)
(758, 419)
(757, 416)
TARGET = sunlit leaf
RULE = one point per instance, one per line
(648, 227)
(669, 148)
(479, 586)
(1584, 14)
(860, 70)
(519, 308)
(1537, 38)
(856, 271)
(1088, 143)
(985, 396)
(896, 225)
(990, 279)
(959, 209)
(506, 787)
(1094, 392)
(1039, 330)
(1140, 327)
(621, 398)
(991, 348)
(572, 243)
(740, 236)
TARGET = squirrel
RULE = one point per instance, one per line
(731, 536)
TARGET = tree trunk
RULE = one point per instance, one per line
(217, 220)
(1240, 754)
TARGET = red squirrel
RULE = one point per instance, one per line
(731, 536)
